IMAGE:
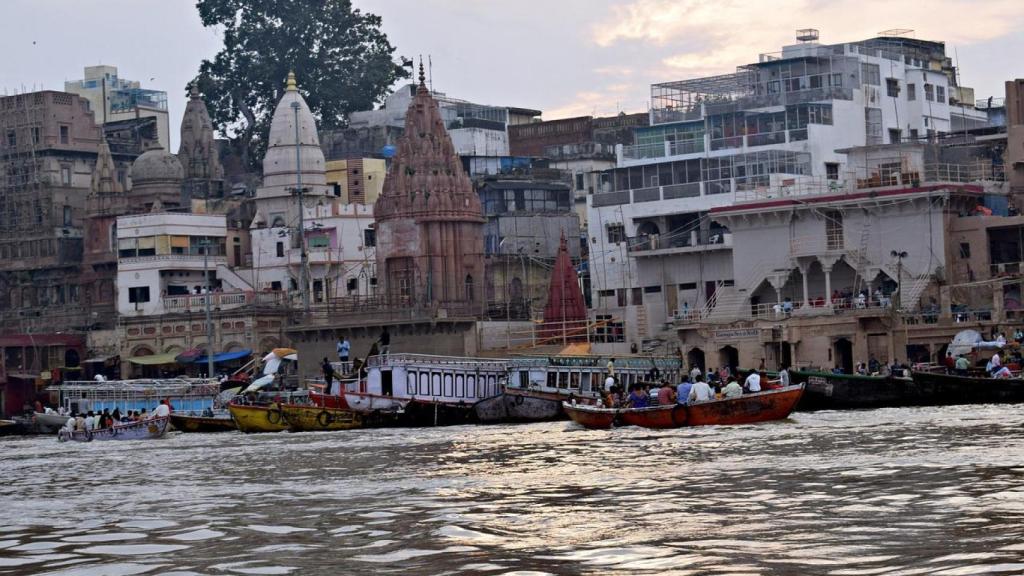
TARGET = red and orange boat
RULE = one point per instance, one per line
(746, 409)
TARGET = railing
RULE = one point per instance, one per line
(214, 259)
(445, 361)
(684, 238)
(198, 301)
(965, 173)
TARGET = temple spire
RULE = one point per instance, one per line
(291, 86)
(423, 77)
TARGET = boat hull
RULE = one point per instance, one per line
(318, 418)
(386, 410)
(143, 430)
(591, 417)
(517, 405)
(824, 391)
(328, 401)
(258, 418)
(187, 423)
(746, 409)
(932, 389)
(659, 417)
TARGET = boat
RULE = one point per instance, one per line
(192, 395)
(763, 406)
(934, 388)
(328, 400)
(306, 418)
(537, 386)
(12, 428)
(142, 430)
(250, 418)
(828, 391)
(591, 416)
(424, 390)
(48, 422)
(191, 423)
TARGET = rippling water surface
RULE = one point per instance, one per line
(895, 492)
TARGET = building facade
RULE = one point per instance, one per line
(113, 99)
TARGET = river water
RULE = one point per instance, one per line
(894, 492)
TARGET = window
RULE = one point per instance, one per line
(892, 87)
(940, 94)
(832, 170)
(280, 249)
(606, 293)
(369, 238)
(688, 286)
(895, 136)
(67, 215)
(65, 175)
(469, 287)
(911, 92)
(65, 135)
(275, 285)
(929, 92)
(620, 297)
(913, 134)
(870, 74)
(965, 250)
(12, 138)
(36, 135)
(652, 289)
(351, 285)
(319, 241)
(579, 181)
(138, 294)
(616, 233)
(637, 296)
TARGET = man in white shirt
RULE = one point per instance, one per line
(700, 392)
(162, 410)
(71, 424)
(90, 422)
(608, 383)
(753, 382)
(694, 373)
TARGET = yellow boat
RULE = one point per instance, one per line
(258, 418)
(316, 418)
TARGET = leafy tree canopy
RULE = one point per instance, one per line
(342, 60)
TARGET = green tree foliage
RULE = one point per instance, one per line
(342, 60)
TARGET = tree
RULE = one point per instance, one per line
(342, 59)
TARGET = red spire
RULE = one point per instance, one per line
(565, 310)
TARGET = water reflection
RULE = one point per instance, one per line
(920, 491)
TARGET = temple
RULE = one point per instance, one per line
(429, 218)
(565, 315)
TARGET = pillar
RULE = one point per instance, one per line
(827, 269)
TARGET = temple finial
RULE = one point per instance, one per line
(291, 86)
(193, 90)
(423, 78)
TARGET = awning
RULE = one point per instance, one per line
(224, 356)
(154, 360)
(99, 359)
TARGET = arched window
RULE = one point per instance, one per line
(469, 287)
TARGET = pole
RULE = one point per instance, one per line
(209, 321)
(304, 257)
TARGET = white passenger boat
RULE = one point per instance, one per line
(537, 386)
(425, 390)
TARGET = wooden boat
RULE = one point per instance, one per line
(746, 409)
(45, 423)
(12, 428)
(670, 416)
(141, 430)
(827, 391)
(302, 418)
(934, 388)
(518, 405)
(328, 400)
(251, 418)
(593, 417)
(192, 423)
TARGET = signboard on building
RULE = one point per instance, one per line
(737, 334)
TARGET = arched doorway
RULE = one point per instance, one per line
(843, 354)
(695, 357)
(729, 356)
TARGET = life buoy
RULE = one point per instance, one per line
(274, 414)
(519, 400)
(324, 418)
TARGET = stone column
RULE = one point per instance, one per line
(827, 263)
(804, 265)
(945, 302)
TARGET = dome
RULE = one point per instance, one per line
(156, 165)
(279, 163)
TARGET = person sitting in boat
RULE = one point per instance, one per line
(1018, 336)
(683, 391)
(162, 409)
(700, 392)
(753, 382)
(207, 412)
(732, 390)
(949, 362)
(1002, 372)
(638, 397)
(71, 425)
(666, 395)
(783, 380)
(962, 365)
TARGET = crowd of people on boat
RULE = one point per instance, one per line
(90, 420)
(695, 387)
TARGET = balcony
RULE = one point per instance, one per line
(315, 256)
(678, 243)
(197, 302)
(663, 149)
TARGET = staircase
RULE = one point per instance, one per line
(641, 321)
(728, 306)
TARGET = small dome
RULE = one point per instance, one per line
(157, 164)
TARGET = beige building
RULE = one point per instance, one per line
(112, 99)
(358, 180)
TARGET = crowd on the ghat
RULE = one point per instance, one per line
(90, 421)
(697, 386)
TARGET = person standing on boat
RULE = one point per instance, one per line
(962, 365)
(783, 380)
(695, 373)
(385, 342)
(164, 409)
(328, 375)
(344, 347)
(611, 367)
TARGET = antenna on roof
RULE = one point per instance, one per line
(895, 32)
(430, 71)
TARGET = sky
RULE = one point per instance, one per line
(564, 57)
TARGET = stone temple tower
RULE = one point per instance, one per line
(429, 219)
(198, 152)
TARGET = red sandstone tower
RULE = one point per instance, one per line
(565, 314)
(429, 219)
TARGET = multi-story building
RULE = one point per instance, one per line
(357, 180)
(113, 99)
(664, 233)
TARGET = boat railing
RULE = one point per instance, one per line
(598, 362)
(150, 386)
(403, 359)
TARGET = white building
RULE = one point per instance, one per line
(162, 268)
(112, 98)
(660, 254)
(339, 237)
(475, 129)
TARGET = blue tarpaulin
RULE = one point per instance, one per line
(224, 356)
